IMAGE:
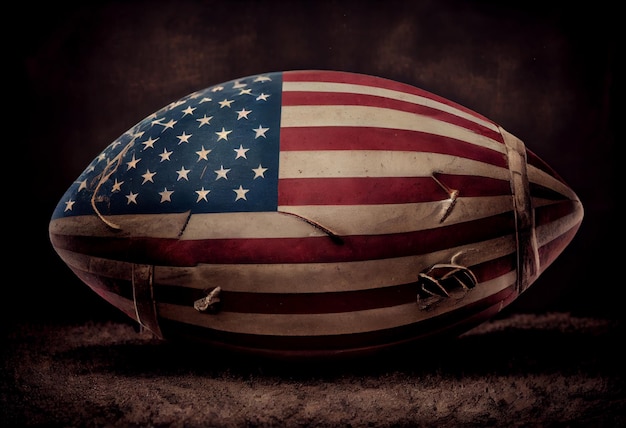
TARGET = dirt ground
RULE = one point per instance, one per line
(518, 370)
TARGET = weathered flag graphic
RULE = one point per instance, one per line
(308, 212)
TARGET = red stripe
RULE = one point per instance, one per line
(384, 190)
(366, 138)
(537, 162)
(96, 281)
(550, 213)
(317, 303)
(174, 252)
(117, 292)
(539, 191)
(377, 82)
(293, 98)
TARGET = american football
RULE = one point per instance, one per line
(313, 213)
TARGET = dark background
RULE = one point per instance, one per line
(89, 72)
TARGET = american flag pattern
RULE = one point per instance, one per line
(313, 200)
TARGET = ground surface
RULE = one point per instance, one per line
(519, 370)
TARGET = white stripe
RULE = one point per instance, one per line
(339, 219)
(328, 324)
(298, 277)
(398, 218)
(538, 176)
(349, 88)
(376, 163)
(154, 225)
(183, 226)
(248, 225)
(96, 265)
(364, 116)
(547, 233)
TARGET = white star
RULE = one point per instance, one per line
(131, 198)
(205, 100)
(148, 176)
(204, 120)
(243, 113)
(260, 132)
(202, 154)
(149, 143)
(69, 205)
(221, 173)
(133, 163)
(259, 172)
(223, 134)
(169, 124)
(82, 185)
(263, 79)
(175, 104)
(165, 155)
(241, 193)
(184, 138)
(182, 173)
(188, 110)
(262, 97)
(238, 85)
(245, 92)
(166, 195)
(202, 194)
(117, 186)
(241, 152)
(226, 103)
(217, 89)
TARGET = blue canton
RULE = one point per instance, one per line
(215, 150)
